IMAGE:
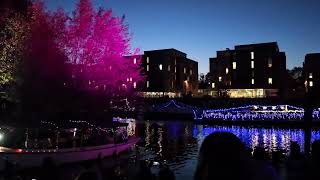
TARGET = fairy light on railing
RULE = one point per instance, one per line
(90, 125)
(254, 112)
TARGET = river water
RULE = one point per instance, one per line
(178, 142)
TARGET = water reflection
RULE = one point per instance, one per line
(178, 142)
(270, 139)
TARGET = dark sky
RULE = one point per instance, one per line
(201, 27)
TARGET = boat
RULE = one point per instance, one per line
(33, 157)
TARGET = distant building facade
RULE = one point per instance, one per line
(311, 74)
(249, 71)
(169, 73)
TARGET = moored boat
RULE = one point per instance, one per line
(68, 145)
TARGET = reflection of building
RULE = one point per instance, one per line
(311, 73)
(251, 71)
(169, 73)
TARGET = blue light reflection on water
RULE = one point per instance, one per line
(270, 139)
(178, 142)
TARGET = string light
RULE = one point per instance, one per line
(257, 112)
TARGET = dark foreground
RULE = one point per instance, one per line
(177, 144)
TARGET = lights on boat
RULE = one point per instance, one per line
(274, 107)
(264, 107)
(19, 150)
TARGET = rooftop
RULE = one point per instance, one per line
(170, 49)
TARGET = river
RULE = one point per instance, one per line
(178, 142)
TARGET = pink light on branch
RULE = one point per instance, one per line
(97, 40)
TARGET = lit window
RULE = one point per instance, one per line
(252, 55)
(135, 61)
(188, 79)
(220, 78)
(184, 70)
(134, 85)
(252, 81)
(190, 71)
(175, 69)
(234, 65)
(169, 67)
(147, 60)
(227, 70)
(175, 62)
(269, 80)
(160, 67)
(310, 83)
(148, 84)
(127, 79)
(148, 67)
(213, 85)
(269, 62)
(131, 79)
(310, 75)
(252, 64)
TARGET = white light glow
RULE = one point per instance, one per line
(252, 55)
(269, 62)
(234, 65)
(160, 67)
(310, 83)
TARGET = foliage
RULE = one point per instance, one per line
(42, 53)
(12, 50)
(97, 41)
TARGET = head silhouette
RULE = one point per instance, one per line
(294, 150)
(222, 156)
(315, 151)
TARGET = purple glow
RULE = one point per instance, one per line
(97, 42)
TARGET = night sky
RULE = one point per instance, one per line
(201, 27)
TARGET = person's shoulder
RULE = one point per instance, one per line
(264, 171)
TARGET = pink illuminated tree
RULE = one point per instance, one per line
(44, 70)
(97, 42)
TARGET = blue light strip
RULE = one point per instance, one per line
(254, 112)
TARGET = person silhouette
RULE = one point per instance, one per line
(223, 156)
(314, 168)
(165, 173)
(295, 165)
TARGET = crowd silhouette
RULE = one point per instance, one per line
(223, 156)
